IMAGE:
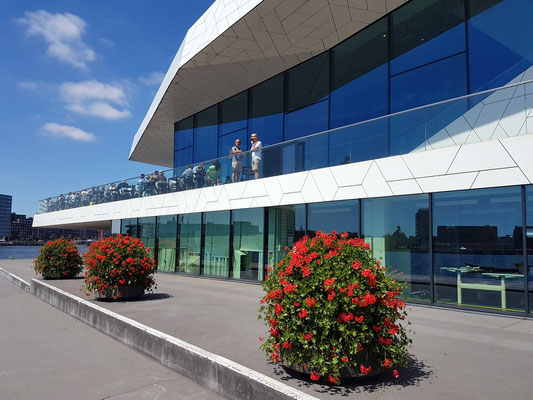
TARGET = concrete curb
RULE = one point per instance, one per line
(15, 280)
(223, 376)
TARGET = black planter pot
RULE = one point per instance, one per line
(126, 293)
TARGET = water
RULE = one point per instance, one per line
(24, 252)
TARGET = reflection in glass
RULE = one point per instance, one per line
(205, 134)
(286, 225)
(340, 216)
(529, 242)
(216, 248)
(190, 233)
(477, 250)
(183, 132)
(397, 229)
(360, 84)
(308, 82)
(147, 233)
(233, 114)
(248, 229)
(129, 227)
(167, 227)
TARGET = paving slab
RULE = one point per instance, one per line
(455, 354)
(45, 354)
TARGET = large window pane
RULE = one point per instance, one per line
(183, 157)
(500, 45)
(190, 234)
(183, 132)
(286, 225)
(167, 228)
(216, 249)
(529, 236)
(308, 82)
(421, 25)
(266, 111)
(205, 134)
(397, 229)
(147, 233)
(477, 250)
(360, 84)
(438, 81)
(340, 216)
(306, 121)
(248, 230)
(129, 227)
(233, 114)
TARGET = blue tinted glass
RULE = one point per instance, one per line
(308, 82)
(225, 143)
(441, 80)
(500, 45)
(266, 111)
(407, 132)
(183, 132)
(233, 113)
(306, 121)
(183, 157)
(366, 141)
(205, 134)
(363, 98)
(529, 236)
(305, 154)
(444, 45)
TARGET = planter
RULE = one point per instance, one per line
(126, 293)
(59, 276)
(345, 372)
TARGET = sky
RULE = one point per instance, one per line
(76, 80)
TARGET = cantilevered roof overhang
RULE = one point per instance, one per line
(237, 44)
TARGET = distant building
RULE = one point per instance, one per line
(21, 227)
(5, 216)
(22, 230)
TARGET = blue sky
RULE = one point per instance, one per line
(77, 78)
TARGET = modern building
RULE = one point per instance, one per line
(5, 216)
(22, 228)
(408, 123)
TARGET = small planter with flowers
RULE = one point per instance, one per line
(58, 259)
(119, 267)
(333, 312)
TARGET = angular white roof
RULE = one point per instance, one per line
(237, 44)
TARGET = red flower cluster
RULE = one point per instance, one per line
(325, 289)
(58, 259)
(118, 261)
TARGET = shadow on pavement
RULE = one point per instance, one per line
(145, 297)
(413, 375)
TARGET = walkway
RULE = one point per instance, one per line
(456, 355)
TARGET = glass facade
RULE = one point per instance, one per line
(397, 229)
(248, 238)
(129, 227)
(216, 254)
(167, 229)
(460, 248)
(190, 243)
(470, 45)
(477, 248)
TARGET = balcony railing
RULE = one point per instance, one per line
(478, 117)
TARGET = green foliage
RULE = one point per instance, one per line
(331, 308)
(58, 259)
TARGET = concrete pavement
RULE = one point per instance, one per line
(45, 354)
(456, 355)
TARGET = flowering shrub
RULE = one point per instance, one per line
(333, 311)
(116, 262)
(58, 258)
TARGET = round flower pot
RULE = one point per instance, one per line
(345, 372)
(126, 293)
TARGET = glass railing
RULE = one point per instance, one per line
(483, 116)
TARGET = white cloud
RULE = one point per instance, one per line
(106, 42)
(63, 34)
(155, 78)
(95, 98)
(65, 131)
(27, 85)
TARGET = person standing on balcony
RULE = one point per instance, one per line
(256, 155)
(236, 161)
